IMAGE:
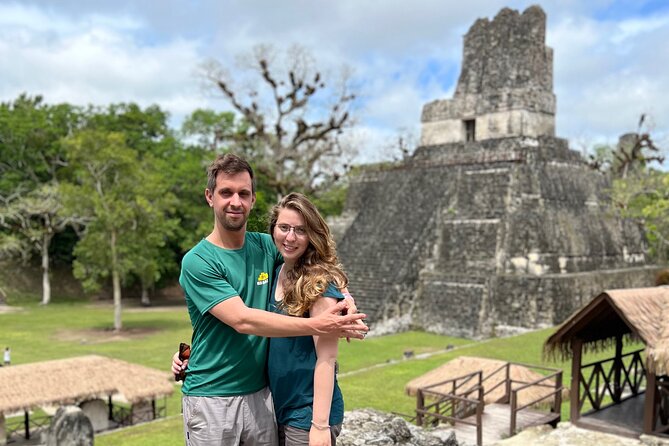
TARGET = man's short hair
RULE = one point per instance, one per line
(230, 164)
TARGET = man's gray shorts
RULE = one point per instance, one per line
(235, 420)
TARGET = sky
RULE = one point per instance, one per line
(611, 58)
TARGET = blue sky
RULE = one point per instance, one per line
(611, 59)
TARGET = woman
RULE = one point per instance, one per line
(307, 400)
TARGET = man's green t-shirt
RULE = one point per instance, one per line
(224, 362)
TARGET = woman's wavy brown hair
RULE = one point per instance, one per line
(317, 267)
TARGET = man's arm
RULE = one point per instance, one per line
(243, 319)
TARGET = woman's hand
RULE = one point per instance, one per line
(319, 437)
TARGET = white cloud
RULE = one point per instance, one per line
(95, 60)
(607, 71)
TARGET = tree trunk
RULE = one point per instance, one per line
(116, 283)
(46, 283)
(146, 299)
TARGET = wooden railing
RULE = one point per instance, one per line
(556, 395)
(458, 404)
(611, 377)
(26, 427)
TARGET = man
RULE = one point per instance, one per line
(226, 279)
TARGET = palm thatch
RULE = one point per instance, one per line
(638, 313)
(465, 365)
(72, 380)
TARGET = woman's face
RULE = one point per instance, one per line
(290, 235)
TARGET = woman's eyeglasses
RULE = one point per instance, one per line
(299, 231)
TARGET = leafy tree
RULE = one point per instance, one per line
(293, 119)
(31, 164)
(147, 134)
(146, 130)
(639, 191)
(124, 198)
(33, 219)
(644, 196)
(210, 129)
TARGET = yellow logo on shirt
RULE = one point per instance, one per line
(263, 278)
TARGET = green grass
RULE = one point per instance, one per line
(74, 328)
(166, 432)
(362, 390)
(377, 350)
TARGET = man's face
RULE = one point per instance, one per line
(232, 200)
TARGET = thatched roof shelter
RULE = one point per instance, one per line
(626, 383)
(72, 380)
(465, 365)
(638, 313)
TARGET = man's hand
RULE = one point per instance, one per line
(347, 325)
(352, 309)
(178, 366)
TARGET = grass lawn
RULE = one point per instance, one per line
(151, 336)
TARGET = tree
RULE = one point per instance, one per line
(35, 217)
(639, 191)
(211, 130)
(148, 134)
(293, 122)
(632, 153)
(31, 162)
(124, 198)
(644, 197)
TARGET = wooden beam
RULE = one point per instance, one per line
(557, 405)
(574, 394)
(649, 404)
(3, 431)
(26, 423)
(617, 366)
(420, 406)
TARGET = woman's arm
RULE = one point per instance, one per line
(324, 376)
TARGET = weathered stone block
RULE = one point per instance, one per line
(98, 412)
(370, 427)
(70, 427)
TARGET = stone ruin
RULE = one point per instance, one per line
(493, 225)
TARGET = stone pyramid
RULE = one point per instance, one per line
(493, 225)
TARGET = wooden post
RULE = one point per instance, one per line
(575, 394)
(514, 404)
(479, 422)
(507, 391)
(558, 395)
(26, 423)
(420, 406)
(111, 407)
(3, 432)
(617, 366)
(650, 403)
